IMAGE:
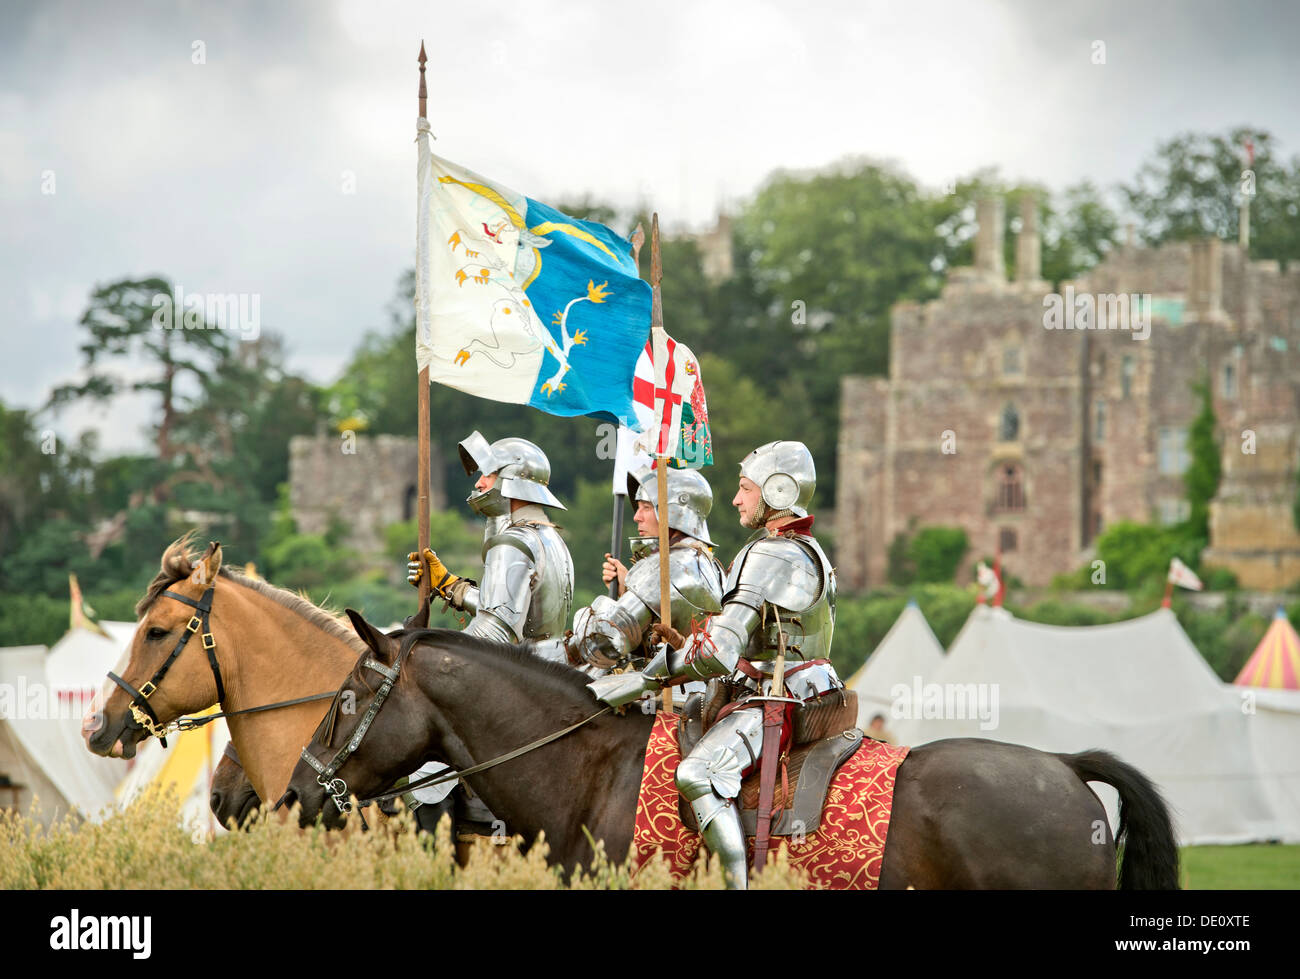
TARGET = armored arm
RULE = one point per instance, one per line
(609, 632)
(500, 602)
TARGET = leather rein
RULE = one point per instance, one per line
(142, 712)
(327, 776)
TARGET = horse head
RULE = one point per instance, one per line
(346, 758)
(233, 798)
(167, 668)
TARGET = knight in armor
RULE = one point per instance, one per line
(612, 634)
(779, 594)
(526, 590)
(526, 587)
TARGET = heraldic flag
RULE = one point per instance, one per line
(517, 302)
(669, 396)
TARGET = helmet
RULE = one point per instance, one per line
(784, 471)
(522, 473)
(689, 499)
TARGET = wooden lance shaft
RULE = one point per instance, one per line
(422, 409)
(659, 351)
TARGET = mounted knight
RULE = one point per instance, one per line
(771, 641)
(526, 588)
(615, 633)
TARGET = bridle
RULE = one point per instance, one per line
(327, 774)
(142, 712)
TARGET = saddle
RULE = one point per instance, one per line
(825, 736)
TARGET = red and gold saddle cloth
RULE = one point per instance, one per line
(845, 852)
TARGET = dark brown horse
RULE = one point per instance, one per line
(233, 798)
(967, 813)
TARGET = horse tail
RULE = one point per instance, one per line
(1150, 861)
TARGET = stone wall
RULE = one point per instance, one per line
(366, 481)
(1095, 407)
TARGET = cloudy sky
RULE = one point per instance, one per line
(268, 148)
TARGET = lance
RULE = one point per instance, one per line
(422, 394)
(659, 356)
(616, 532)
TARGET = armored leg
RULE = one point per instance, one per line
(709, 778)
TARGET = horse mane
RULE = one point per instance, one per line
(517, 654)
(178, 564)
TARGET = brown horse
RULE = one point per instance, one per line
(233, 798)
(271, 646)
(967, 813)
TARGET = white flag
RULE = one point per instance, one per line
(1183, 576)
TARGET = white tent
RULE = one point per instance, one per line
(909, 650)
(41, 746)
(1138, 689)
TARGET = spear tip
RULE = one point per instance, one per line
(423, 56)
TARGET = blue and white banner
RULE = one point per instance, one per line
(517, 302)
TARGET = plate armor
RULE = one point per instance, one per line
(610, 634)
(526, 590)
(780, 590)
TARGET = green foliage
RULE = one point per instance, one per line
(936, 552)
(1137, 554)
(1219, 579)
(1202, 476)
(308, 561)
(901, 568)
(1192, 186)
(1225, 636)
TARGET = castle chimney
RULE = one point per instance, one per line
(1205, 290)
(1029, 251)
(988, 240)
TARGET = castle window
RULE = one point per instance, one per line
(1007, 539)
(1171, 451)
(1009, 426)
(408, 503)
(1099, 421)
(1011, 490)
(1230, 381)
(1011, 360)
(1128, 368)
(1172, 510)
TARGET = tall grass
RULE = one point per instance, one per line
(145, 847)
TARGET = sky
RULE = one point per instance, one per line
(267, 149)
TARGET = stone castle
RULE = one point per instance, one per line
(364, 481)
(1034, 419)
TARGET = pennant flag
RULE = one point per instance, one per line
(80, 614)
(517, 302)
(671, 406)
(1183, 576)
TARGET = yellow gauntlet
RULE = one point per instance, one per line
(440, 578)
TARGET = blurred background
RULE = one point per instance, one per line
(866, 206)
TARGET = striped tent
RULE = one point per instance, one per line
(1275, 663)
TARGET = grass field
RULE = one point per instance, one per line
(1259, 866)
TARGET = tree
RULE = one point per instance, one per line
(1202, 476)
(1194, 184)
(121, 322)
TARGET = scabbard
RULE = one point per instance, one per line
(773, 719)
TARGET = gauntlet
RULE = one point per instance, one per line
(441, 580)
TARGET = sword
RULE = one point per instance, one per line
(773, 719)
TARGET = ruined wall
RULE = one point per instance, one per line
(366, 488)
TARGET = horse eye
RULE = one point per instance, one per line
(156, 633)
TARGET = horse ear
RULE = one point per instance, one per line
(206, 568)
(371, 636)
